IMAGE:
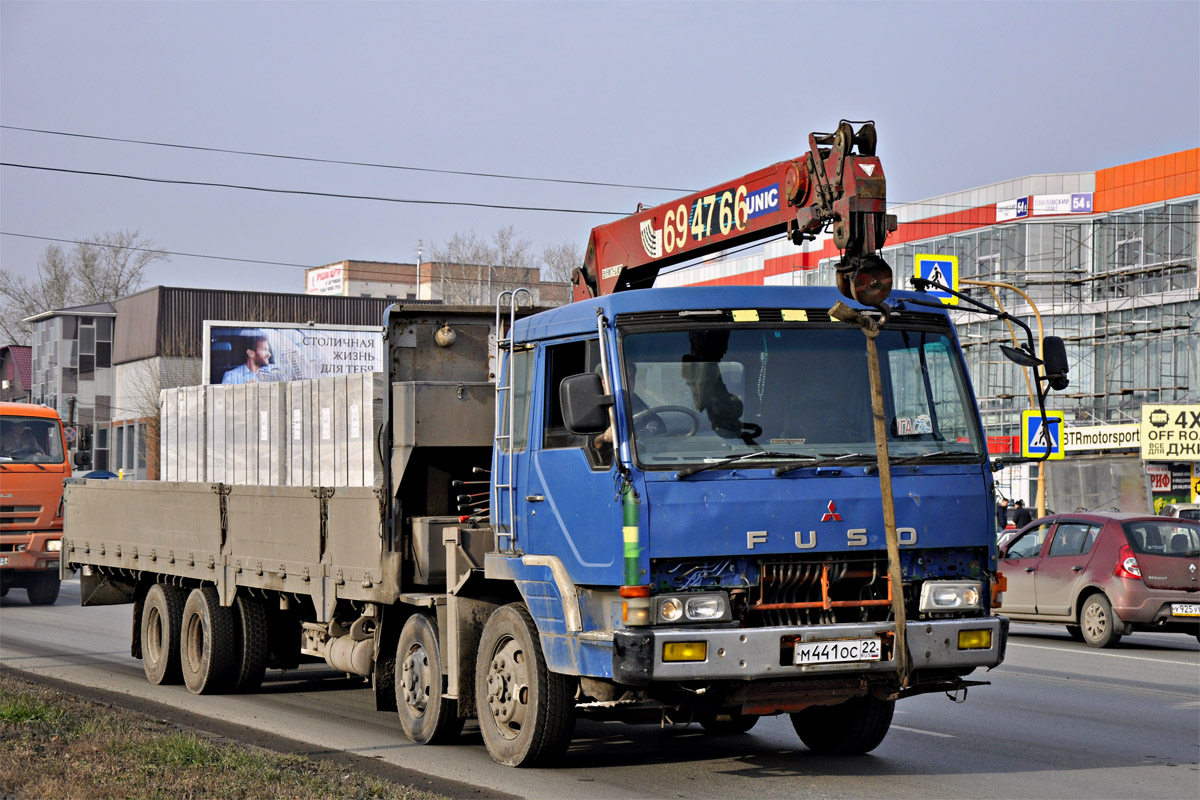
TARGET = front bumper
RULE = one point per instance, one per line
(33, 556)
(761, 653)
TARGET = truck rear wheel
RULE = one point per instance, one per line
(254, 643)
(425, 715)
(208, 650)
(162, 619)
(526, 712)
(850, 728)
(43, 590)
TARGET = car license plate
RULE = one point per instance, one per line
(3, 561)
(1185, 609)
(838, 651)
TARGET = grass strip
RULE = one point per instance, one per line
(56, 745)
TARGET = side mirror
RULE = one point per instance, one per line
(1054, 355)
(584, 403)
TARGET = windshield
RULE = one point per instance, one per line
(703, 395)
(30, 440)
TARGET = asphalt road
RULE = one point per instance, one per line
(1060, 720)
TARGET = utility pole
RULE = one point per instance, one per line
(420, 244)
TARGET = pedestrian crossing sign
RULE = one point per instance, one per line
(941, 269)
(1037, 438)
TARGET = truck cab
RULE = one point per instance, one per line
(721, 529)
(33, 465)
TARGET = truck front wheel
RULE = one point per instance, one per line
(526, 712)
(850, 728)
(208, 649)
(43, 590)
(425, 715)
(162, 617)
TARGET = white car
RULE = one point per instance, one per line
(1184, 510)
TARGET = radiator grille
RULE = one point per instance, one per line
(820, 592)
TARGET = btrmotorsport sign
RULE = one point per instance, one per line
(1100, 437)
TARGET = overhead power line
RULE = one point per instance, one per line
(156, 250)
(311, 193)
(344, 162)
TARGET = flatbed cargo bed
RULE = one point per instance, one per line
(323, 543)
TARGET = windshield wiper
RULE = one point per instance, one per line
(829, 458)
(934, 454)
(683, 473)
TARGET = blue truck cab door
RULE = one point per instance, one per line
(567, 489)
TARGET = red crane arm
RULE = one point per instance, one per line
(839, 181)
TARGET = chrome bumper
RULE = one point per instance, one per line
(760, 653)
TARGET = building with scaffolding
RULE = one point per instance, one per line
(1109, 260)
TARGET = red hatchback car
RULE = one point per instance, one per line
(1105, 575)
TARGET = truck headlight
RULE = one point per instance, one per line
(944, 596)
(54, 546)
(698, 607)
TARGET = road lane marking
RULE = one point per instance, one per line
(927, 733)
(1101, 653)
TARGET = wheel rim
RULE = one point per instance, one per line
(508, 688)
(154, 634)
(1095, 621)
(195, 642)
(415, 679)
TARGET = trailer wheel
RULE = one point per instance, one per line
(425, 715)
(162, 620)
(851, 728)
(43, 590)
(526, 712)
(254, 643)
(208, 650)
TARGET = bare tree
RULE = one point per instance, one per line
(559, 261)
(472, 271)
(102, 268)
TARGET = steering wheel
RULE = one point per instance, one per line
(648, 422)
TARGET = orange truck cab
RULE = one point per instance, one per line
(33, 465)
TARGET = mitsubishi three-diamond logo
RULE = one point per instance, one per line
(831, 515)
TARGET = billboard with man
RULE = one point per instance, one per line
(255, 352)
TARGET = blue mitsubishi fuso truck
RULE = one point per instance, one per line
(688, 505)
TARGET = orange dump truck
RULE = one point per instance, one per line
(33, 465)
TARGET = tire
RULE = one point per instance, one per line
(3, 590)
(162, 620)
(1075, 632)
(253, 643)
(737, 723)
(854, 727)
(1098, 624)
(526, 712)
(208, 643)
(43, 591)
(425, 715)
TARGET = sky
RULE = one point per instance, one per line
(678, 95)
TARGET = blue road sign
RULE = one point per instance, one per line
(1037, 438)
(941, 269)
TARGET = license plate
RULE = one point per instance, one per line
(838, 651)
(3, 561)
(1185, 609)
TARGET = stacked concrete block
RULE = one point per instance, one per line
(321, 432)
(247, 434)
(335, 424)
(182, 434)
